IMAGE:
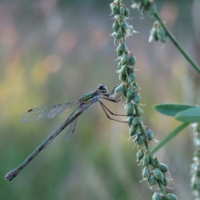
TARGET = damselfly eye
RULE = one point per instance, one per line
(102, 88)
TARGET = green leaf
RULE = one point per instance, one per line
(191, 115)
(169, 137)
(172, 109)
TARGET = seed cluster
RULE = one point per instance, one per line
(154, 172)
(144, 6)
(158, 33)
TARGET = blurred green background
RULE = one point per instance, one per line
(56, 51)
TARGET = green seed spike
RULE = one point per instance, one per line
(122, 47)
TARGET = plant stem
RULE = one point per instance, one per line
(175, 42)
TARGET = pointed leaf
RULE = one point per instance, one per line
(191, 115)
(172, 109)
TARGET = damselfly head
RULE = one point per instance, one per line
(102, 88)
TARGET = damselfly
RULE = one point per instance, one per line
(51, 111)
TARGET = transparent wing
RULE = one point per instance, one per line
(43, 112)
(71, 129)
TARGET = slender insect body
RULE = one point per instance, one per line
(51, 111)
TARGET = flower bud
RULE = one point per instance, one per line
(129, 109)
(125, 26)
(132, 130)
(163, 167)
(153, 35)
(171, 196)
(132, 60)
(122, 47)
(158, 174)
(122, 77)
(114, 8)
(127, 12)
(136, 121)
(115, 25)
(118, 35)
(145, 173)
(157, 196)
(140, 138)
(146, 160)
(162, 36)
(124, 59)
(140, 154)
(149, 134)
(137, 98)
(120, 88)
(152, 180)
(122, 10)
(131, 77)
(129, 120)
(129, 94)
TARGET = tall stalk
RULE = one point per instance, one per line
(154, 172)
